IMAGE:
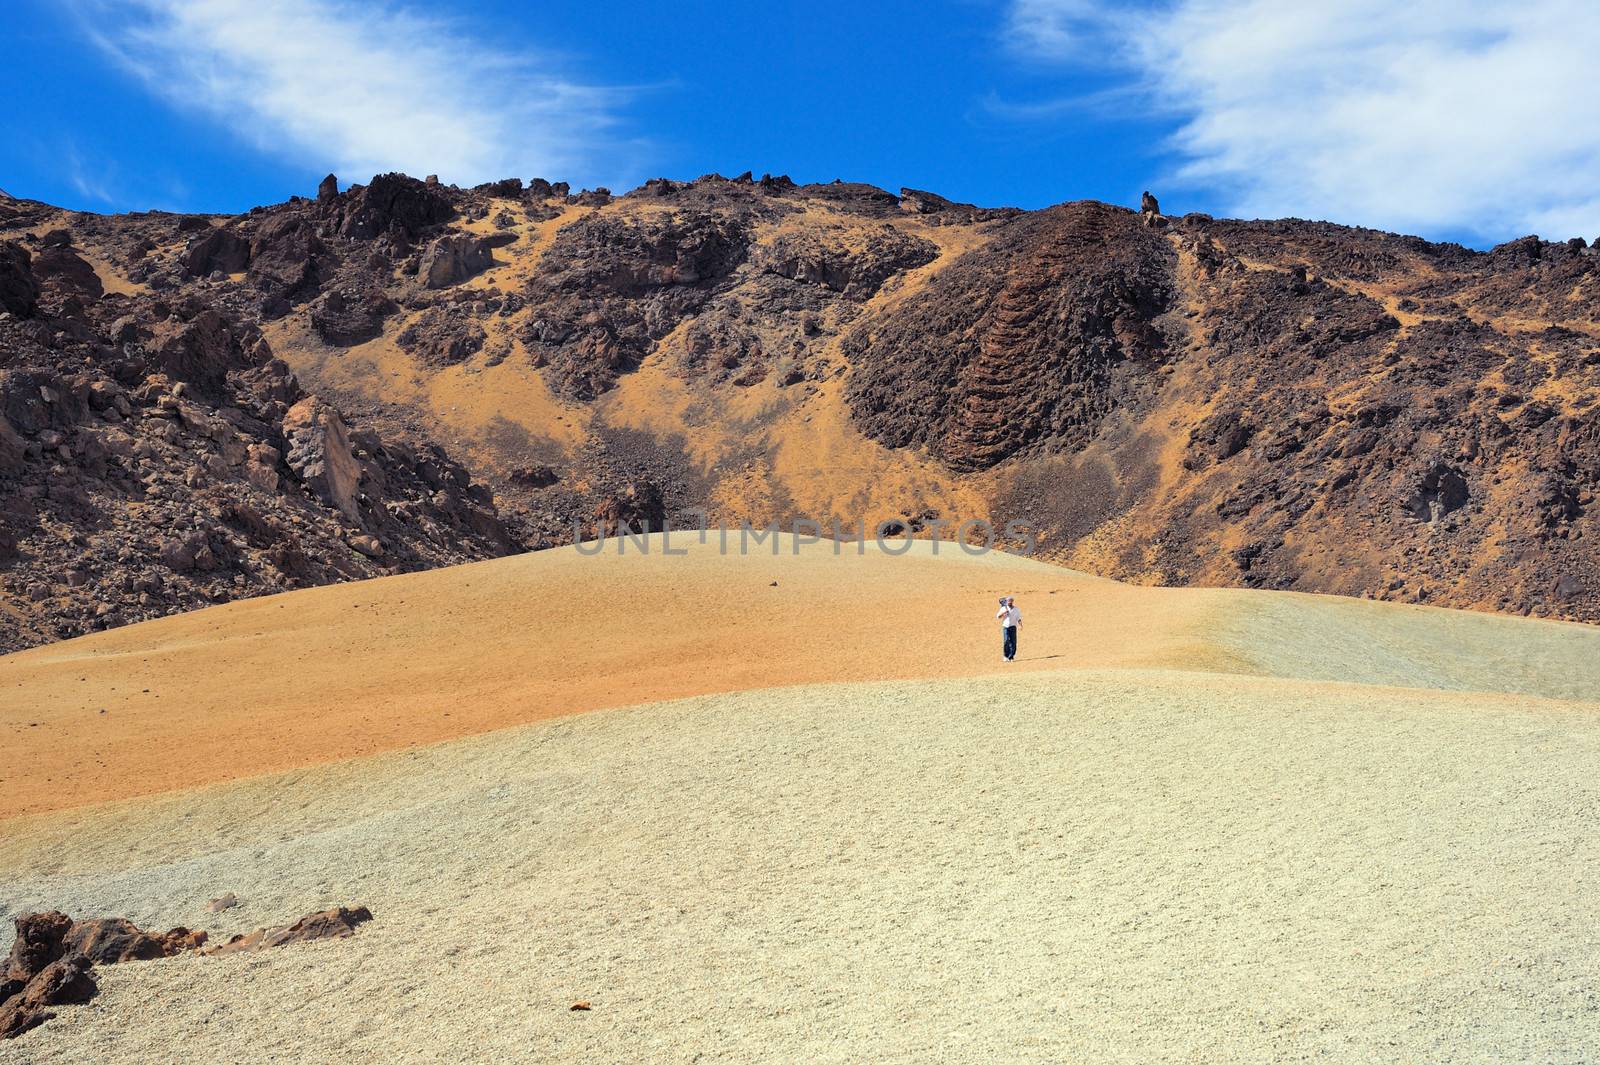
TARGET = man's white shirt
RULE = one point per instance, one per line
(1008, 616)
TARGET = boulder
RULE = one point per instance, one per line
(63, 273)
(216, 249)
(396, 203)
(109, 940)
(506, 188)
(38, 943)
(52, 956)
(321, 456)
(367, 545)
(339, 923)
(62, 982)
(452, 259)
(345, 319)
(1149, 209)
(283, 255)
(13, 449)
(201, 351)
(328, 189)
(32, 400)
(19, 289)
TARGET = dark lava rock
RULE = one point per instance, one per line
(344, 319)
(338, 923)
(108, 940)
(1035, 340)
(217, 249)
(443, 336)
(609, 287)
(452, 259)
(52, 956)
(395, 203)
(62, 982)
(63, 273)
(855, 269)
(19, 289)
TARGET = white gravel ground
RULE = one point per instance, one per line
(1097, 866)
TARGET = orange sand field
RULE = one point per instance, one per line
(330, 673)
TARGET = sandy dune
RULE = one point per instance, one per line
(1077, 866)
(1191, 825)
(309, 677)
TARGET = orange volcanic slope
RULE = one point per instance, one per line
(328, 673)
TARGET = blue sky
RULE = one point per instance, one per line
(1458, 120)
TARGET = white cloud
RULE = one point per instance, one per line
(89, 181)
(359, 87)
(1435, 115)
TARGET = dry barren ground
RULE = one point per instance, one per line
(1097, 866)
(328, 673)
(1197, 826)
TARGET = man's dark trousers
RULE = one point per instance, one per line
(1009, 647)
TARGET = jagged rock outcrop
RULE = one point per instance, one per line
(109, 940)
(942, 211)
(320, 455)
(608, 288)
(63, 274)
(339, 923)
(159, 436)
(52, 959)
(855, 265)
(1149, 209)
(63, 982)
(19, 289)
(199, 351)
(452, 259)
(1030, 343)
(345, 318)
(392, 204)
(217, 249)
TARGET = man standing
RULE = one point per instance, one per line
(1010, 619)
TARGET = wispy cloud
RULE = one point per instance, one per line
(361, 87)
(1468, 116)
(91, 182)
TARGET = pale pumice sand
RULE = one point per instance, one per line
(1101, 865)
(1194, 825)
(329, 673)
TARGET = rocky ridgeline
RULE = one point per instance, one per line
(1269, 404)
(156, 457)
(1176, 399)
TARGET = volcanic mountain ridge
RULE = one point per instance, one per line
(406, 374)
